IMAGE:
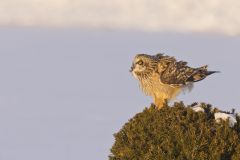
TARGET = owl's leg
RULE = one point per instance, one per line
(159, 102)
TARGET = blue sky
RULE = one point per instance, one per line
(65, 85)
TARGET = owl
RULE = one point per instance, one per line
(163, 77)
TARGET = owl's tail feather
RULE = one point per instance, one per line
(200, 74)
(211, 72)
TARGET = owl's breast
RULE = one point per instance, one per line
(153, 86)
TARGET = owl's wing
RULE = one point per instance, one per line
(178, 73)
(164, 61)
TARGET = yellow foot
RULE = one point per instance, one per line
(160, 104)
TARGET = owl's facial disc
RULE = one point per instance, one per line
(138, 66)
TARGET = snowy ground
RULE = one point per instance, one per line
(63, 93)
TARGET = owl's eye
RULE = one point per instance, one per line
(140, 62)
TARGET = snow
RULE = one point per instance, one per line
(225, 116)
(198, 109)
(219, 115)
(238, 114)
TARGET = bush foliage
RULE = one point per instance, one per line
(177, 133)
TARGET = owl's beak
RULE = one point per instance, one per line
(132, 68)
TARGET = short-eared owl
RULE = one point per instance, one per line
(163, 77)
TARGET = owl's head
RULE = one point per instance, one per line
(143, 65)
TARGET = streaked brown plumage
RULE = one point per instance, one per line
(163, 77)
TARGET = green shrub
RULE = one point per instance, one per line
(176, 133)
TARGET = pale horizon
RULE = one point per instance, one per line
(216, 16)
